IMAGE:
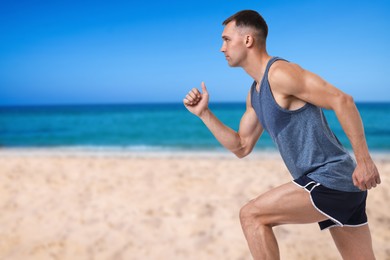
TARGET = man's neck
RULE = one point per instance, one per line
(256, 64)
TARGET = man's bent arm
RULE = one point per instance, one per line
(241, 143)
(366, 175)
(311, 88)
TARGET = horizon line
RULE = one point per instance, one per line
(80, 104)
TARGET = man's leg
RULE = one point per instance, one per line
(353, 242)
(286, 204)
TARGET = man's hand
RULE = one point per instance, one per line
(197, 102)
(366, 175)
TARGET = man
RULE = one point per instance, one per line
(329, 187)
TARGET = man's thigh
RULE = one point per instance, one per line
(353, 242)
(286, 204)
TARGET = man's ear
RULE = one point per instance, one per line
(249, 40)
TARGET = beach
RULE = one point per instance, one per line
(98, 205)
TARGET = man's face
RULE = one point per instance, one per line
(233, 45)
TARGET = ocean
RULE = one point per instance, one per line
(151, 127)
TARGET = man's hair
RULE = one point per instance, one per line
(252, 19)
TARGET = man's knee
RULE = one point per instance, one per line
(251, 214)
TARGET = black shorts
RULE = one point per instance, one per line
(342, 208)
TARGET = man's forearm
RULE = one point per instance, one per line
(224, 134)
(352, 125)
(365, 175)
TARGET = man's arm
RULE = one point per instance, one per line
(241, 143)
(292, 80)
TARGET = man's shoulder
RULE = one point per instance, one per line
(283, 72)
(286, 78)
(282, 67)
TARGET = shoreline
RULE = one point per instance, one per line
(150, 153)
(125, 152)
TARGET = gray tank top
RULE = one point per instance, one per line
(304, 139)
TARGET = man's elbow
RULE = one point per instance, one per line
(347, 99)
(344, 101)
(241, 153)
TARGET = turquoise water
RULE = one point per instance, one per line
(151, 126)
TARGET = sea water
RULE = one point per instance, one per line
(152, 127)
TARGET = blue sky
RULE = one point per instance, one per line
(83, 52)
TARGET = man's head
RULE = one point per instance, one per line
(243, 30)
(250, 21)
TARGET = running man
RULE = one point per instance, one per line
(329, 187)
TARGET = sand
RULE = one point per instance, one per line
(93, 205)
